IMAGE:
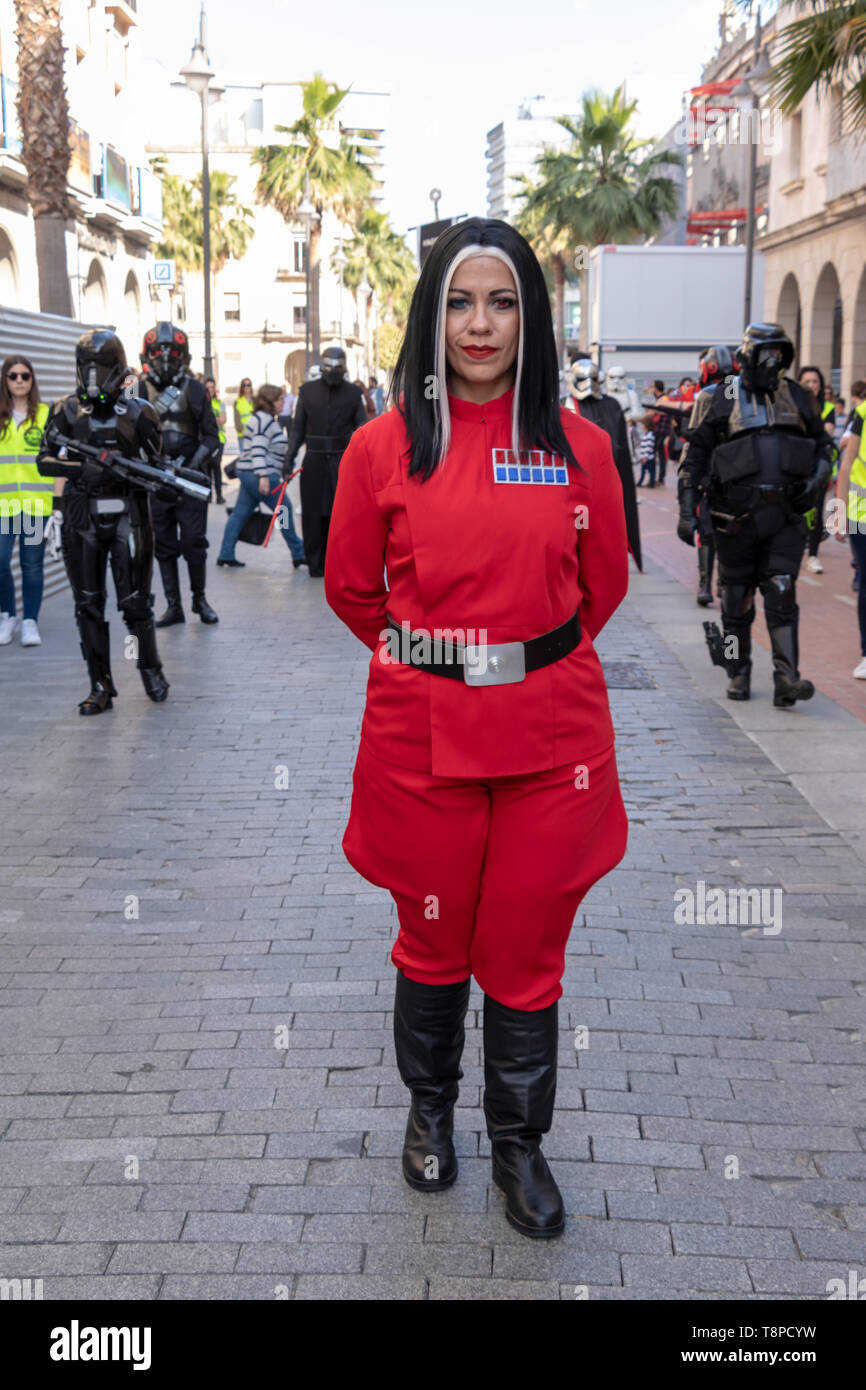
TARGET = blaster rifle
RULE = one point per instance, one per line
(716, 643)
(151, 476)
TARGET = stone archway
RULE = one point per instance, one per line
(825, 339)
(130, 326)
(95, 297)
(789, 313)
(8, 271)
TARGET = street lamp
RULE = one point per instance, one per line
(747, 94)
(435, 195)
(305, 212)
(366, 289)
(340, 261)
(198, 76)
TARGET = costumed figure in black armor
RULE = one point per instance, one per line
(714, 365)
(191, 438)
(759, 450)
(104, 512)
(328, 412)
(606, 412)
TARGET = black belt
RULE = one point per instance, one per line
(327, 443)
(494, 663)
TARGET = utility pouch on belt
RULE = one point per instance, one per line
(735, 462)
(797, 460)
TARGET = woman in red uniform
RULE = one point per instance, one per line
(486, 796)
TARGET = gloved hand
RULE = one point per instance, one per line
(805, 495)
(51, 534)
(687, 524)
(287, 470)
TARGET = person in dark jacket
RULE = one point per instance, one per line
(327, 413)
(190, 435)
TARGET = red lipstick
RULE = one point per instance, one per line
(479, 353)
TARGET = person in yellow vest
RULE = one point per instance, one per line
(851, 490)
(243, 407)
(216, 464)
(812, 378)
(25, 499)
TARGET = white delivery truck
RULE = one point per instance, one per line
(653, 309)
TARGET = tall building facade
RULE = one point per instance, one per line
(117, 200)
(259, 301)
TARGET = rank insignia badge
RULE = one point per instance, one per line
(529, 466)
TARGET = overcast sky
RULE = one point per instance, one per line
(454, 68)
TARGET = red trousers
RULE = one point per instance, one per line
(487, 875)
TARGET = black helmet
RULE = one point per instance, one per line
(165, 353)
(716, 363)
(100, 366)
(333, 365)
(765, 351)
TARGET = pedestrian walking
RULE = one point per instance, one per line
(25, 499)
(288, 410)
(259, 465)
(378, 394)
(486, 796)
(646, 454)
(812, 378)
(244, 407)
(851, 490)
(216, 461)
(369, 403)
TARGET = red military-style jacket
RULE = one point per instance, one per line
(464, 550)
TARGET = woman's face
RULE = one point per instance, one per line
(812, 383)
(482, 325)
(278, 404)
(246, 388)
(19, 380)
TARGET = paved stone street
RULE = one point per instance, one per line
(199, 1096)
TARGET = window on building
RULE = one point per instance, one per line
(300, 256)
(231, 307)
(795, 153)
(836, 113)
(300, 317)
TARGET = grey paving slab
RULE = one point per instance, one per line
(272, 1172)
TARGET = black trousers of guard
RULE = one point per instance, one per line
(91, 542)
(764, 555)
(318, 486)
(180, 528)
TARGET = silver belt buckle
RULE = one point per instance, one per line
(496, 663)
(109, 505)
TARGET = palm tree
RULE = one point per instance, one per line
(824, 49)
(605, 187)
(552, 246)
(338, 177)
(376, 250)
(231, 225)
(43, 115)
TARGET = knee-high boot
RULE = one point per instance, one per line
(200, 605)
(789, 686)
(428, 1039)
(705, 592)
(171, 583)
(520, 1089)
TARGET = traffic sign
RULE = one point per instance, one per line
(164, 274)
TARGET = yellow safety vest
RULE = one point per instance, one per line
(22, 486)
(243, 408)
(216, 407)
(857, 480)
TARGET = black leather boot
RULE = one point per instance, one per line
(96, 654)
(149, 665)
(428, 1040)
(520, 1088)
(739, 680)
(705, 592)
(789, 687)
(200, 604)
(171, 583)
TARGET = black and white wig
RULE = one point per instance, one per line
(420, 385)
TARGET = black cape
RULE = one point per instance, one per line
(607, 413)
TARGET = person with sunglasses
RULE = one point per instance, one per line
(25, 499)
